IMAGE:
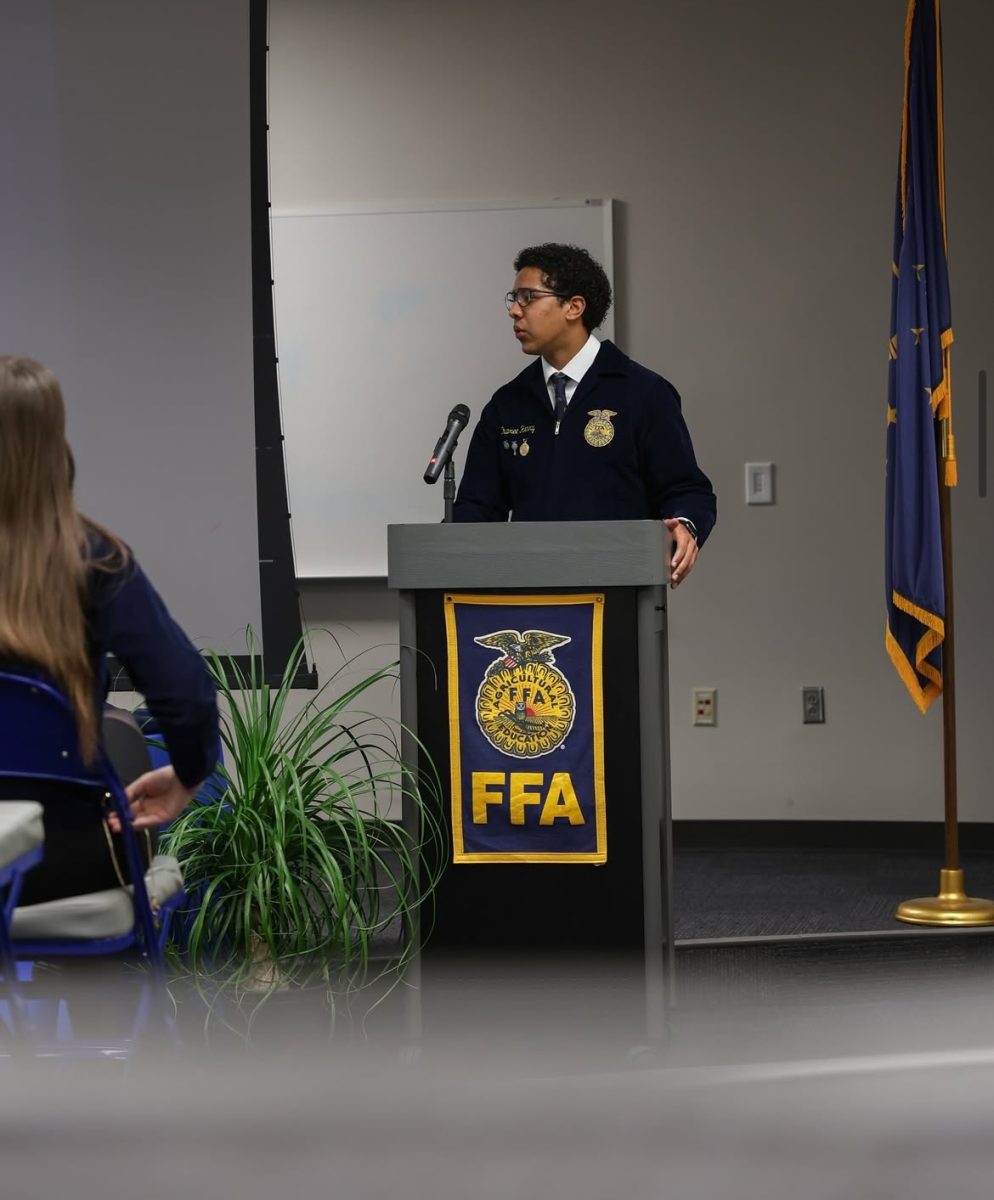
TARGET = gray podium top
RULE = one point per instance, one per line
(524, 554)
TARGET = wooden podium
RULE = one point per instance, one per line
(620, 906)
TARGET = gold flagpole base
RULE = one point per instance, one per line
(952, 906)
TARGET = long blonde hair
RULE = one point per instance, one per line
(44, 561)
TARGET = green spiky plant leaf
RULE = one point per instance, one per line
(297, 872)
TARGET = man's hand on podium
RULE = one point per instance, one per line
(684, 551)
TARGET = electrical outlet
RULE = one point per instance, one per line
(705, 709)
(813, 703)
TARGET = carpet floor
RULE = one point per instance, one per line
(739, 893)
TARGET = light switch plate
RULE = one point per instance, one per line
(759, 483)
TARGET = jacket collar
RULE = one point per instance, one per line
(609, 361)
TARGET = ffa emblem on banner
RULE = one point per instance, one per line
(599, 430)
(526, 728)
(524, 706)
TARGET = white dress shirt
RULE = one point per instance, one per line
(575, 369)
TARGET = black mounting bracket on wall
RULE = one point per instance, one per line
(282, 625)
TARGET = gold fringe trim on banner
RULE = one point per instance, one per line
(934, 635)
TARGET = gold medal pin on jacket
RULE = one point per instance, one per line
(599, 431)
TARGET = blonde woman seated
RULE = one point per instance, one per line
(70, 593)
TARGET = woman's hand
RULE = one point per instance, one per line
(155, 798)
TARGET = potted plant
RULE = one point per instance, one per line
(298, 870)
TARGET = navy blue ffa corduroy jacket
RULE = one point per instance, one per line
(126, 617)
(623, 452)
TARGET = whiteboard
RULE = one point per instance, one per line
(384, 321)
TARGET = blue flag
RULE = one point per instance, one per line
(919, 432)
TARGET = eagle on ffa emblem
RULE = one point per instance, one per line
(525, 706)
(599, 430)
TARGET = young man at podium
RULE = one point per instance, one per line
(584, 433)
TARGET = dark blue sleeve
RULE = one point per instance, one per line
(676, 485)
(133, 623)
(483, 493)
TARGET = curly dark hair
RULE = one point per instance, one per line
(571, 269)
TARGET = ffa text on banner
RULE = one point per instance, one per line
(919, 414)
(526, 728)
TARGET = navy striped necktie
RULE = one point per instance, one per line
(559, 387)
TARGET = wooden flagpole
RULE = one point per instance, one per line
(952, 906)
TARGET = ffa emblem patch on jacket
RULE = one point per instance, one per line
(525, 706)
(599, 430)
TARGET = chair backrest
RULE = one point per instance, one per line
(39, 740)
(38, 736)
(125, 745)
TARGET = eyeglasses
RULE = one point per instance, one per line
(522, 297)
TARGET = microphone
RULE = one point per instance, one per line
(446, 444)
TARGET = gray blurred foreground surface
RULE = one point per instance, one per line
(903, 1126)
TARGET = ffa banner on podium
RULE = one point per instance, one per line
(526, 728)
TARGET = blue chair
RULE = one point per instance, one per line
(39, 742)
(21, 844)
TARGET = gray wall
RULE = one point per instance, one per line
(753, 149)
(125, 265)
